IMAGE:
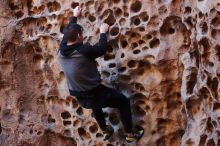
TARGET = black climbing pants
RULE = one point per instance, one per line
(101, 97)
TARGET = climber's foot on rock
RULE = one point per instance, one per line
(135, 136)
(108, 132)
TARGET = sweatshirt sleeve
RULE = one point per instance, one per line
(96, 50)
(73, 20)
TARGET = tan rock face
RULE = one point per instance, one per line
(164, 55)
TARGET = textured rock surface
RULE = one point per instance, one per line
(164, 55)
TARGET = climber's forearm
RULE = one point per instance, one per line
(73, 19)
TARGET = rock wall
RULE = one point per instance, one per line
(163, 54)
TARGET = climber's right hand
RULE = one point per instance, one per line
(104, 28)
(77, 11)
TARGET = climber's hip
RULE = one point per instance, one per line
(87, 99)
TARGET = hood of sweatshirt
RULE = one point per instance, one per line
(68, 50)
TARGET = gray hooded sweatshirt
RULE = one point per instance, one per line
(78, 62)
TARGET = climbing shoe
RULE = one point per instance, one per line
(136, 135)
(108, 132)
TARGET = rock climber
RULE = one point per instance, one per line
(84, 82)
